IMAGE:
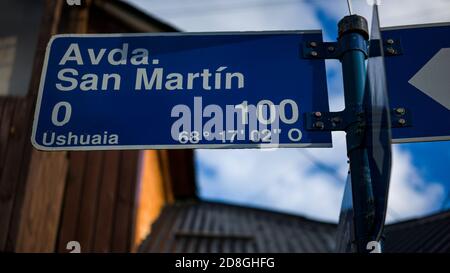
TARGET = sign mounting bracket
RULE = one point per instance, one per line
(333, 50)
(339, 121)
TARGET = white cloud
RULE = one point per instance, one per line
(393, 12)
(234, 15)
(288, 181)
(281, 180)
(406, 12)
(286, 14)
(410, 195)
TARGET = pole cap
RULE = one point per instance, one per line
(354, 23)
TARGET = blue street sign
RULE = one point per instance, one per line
(419, 81)
(143, 91)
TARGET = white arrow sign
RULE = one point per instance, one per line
(434, 78)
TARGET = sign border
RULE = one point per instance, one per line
(151, 147)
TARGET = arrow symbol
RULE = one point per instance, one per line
(433, 78)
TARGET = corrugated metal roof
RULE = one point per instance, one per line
(208, 227)
(214, 227)
(424, 235)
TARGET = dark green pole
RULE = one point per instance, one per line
(353, 39)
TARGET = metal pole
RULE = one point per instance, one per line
(350, 8)
(353, 37)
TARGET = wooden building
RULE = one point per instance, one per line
(104, 200)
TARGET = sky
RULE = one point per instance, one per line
(310, 182)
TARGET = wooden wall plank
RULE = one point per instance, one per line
(22, 178)
(125, 203)
(7, 113)
(72, 200)
(42, 202)
(151, 195)
(12, 165)
(49, 26)
(88, 206)
(107, 199)
(182, 175)
(2, 104)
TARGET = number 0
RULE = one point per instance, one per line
(67, 113)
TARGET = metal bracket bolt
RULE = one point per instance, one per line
(402, 121)
(314, 53)
(313, 44)
(391, 50)
(400, 111)
(390, 41)
(339, 121)
(400, 118)
(319, 125)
